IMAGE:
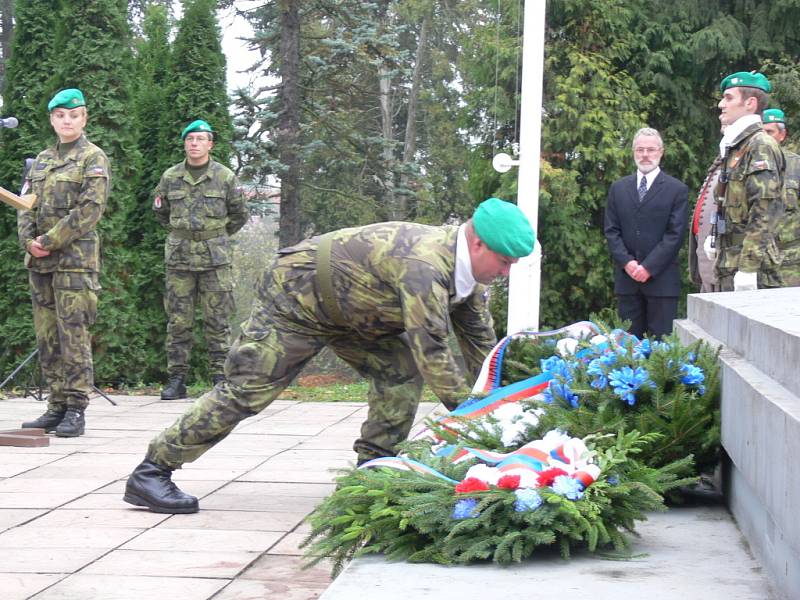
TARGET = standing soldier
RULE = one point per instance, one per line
(202, 204)
(70, 180)
(750, 189)
(788, 234)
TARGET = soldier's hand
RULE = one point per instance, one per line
(743, 281)
(711, 253)
(36, 250)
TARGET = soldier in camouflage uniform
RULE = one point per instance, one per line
(788, 235)
(202, 204)
(750, 189)
(384, 297)
(71, 182)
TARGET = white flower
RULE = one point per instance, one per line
(566, 346)
(485, 473)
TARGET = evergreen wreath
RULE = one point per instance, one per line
(616, 427)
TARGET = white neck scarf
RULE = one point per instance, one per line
(465, 282)
(733, 130)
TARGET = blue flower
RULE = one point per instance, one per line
(692, 375)
(612, 480)
(465, 509)
(558, 367)
(642, 349)
(527, 499)
(691, 357)
(626, 381)
(701, 389)
(566, 486)
(662, 346)
(609, 359)
(557, 390)
(600, 380)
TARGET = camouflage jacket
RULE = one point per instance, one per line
(753, 200)
(71, 193)
(789, 227)
(399, 278)
(200, 215)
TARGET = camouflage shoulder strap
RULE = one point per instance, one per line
(325, 280)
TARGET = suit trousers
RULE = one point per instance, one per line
(648, 314)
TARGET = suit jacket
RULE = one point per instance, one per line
(650, 232)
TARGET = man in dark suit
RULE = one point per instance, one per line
(645, 225)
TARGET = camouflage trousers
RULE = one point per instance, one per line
(64, 307)
(214, 291)
(790, 266)
(283, 333)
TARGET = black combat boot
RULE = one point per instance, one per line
(218, 378)
(73, 423)
(150, 485)
(176, 388)
(48, 421)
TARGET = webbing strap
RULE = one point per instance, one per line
(325, 280)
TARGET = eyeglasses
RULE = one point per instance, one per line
(646, 150)
(197, 138)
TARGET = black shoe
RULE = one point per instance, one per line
(176, 388)
(73, 423)
(150, 485)
(215, 379)
(48, 421)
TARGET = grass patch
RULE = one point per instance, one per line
(337, 392)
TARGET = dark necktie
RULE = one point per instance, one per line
(642, 188)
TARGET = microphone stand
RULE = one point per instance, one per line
(39, 391)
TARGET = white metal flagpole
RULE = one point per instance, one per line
(523, 292)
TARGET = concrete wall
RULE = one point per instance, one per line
(759, 332)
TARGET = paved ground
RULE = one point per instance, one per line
(65, 532)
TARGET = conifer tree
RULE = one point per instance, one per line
(155, 140)
(93, 52)
(197, 90)
(25, 96)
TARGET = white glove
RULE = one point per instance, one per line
(711, 253)
(745, 281)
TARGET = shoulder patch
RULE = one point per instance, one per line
(760, 165)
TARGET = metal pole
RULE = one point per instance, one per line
(523, 292)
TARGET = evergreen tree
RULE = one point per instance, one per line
(197, 89)
(156, 141)
(25, 96)
(93, 53)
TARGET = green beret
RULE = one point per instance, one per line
(504, 228)
(198, 125)
(773, 115)
(746, 79)
(71, 98)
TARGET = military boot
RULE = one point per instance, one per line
(48, 421)
(218, 378)
(176, 388)
(73, 423)
(150, 485)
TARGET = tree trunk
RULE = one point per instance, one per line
(385, 98)
(6, 33)
(410, 145)
(289, 124)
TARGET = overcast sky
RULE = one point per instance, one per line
(236, 52)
